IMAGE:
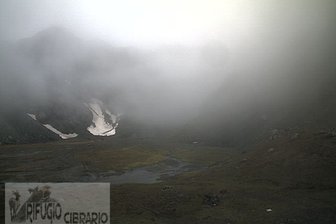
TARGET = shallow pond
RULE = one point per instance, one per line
(145, 175)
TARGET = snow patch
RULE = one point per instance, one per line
(51, 128)
(32, 116)
(113, 117)
(62, 135)
(99, 124)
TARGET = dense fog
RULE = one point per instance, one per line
(169, 63)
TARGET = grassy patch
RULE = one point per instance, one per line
(121, 159)
(203, 155)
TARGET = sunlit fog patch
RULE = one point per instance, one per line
(143, 23)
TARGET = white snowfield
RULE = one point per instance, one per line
(51, 128)
(99, 126)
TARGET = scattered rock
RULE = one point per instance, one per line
(167, 188)
(294, 136)
(270, 149)
(275, 133)
(211, 200)
(223, 191)
(332, 132)
(244, 160)
(269, 210)
(329, 133)
(180, 195)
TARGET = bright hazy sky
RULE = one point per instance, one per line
(133, 22)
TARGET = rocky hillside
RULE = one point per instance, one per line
(46, 96)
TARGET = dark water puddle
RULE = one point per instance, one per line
(145, 175)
